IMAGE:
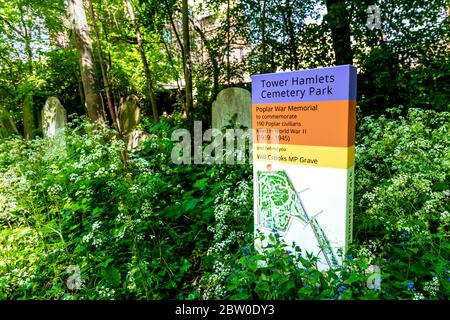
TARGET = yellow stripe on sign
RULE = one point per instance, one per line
(316, 156)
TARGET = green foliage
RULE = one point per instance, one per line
(156, 230)
(140, 233)
(280, 273)
(404, 168)
(404, 61)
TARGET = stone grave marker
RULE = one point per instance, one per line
(232, 104)
(129, 114)
(54, 117)
(129, 118)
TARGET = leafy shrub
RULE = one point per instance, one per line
(155, 230)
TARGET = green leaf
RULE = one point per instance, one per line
(75, 226)
(191, 204)
(353, 277)
(111, 275)
(106, 263)
(200, 184)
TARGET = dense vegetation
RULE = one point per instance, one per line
(134, 225)
(161, 230)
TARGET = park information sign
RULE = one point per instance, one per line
(303, 158)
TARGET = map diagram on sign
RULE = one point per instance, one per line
(279, 203)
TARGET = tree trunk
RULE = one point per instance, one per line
(27, 38)
(338, 18)
(180, 43)
(27, 109)
(106, 33)
(187, 65)
(213, 56)
(175, 31)
(228, 42)
(93, 102)
(27, 106)
(7, 125)
(109, 97)
(172, 64)
(80, 85)
(148, 75)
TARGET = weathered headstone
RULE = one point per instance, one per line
(129, 114)
(232, 105)
(129, 118)
(303, 158)
(54, 117)
(134, 138)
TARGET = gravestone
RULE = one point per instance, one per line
(54, 118)
(129, 114)
(129, 118)
(134, 138)
(232, 105)
(303, 159)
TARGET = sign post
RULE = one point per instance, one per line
(303, 158)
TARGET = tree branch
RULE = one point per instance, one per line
(174, 27)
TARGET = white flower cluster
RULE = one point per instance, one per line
(124, 219)
(96, 225)
(53, 252)
(106, 293)
(8, 206)
(214, 287)
(18, 277)
(445, 217)
(140, 237)
(225, 209)
(96, 242)
(121, 217)
(146, 210)
(101, 172)
(74, 178)
(84, 193)
(432, 287)
(87, 238)
(225, 213)
(135, 189)
(141, 164)
(25, 279)
(244, 192)
(368, 250)
(55, 190)
(12, 187)
(418, 296)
